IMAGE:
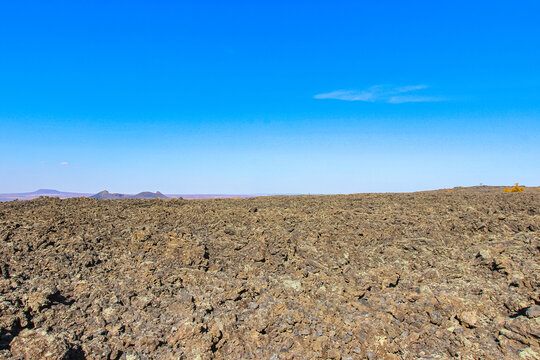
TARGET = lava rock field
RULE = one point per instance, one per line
(368, 276)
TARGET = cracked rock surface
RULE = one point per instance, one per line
(369, 276)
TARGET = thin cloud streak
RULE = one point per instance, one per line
(413, 98)
(382, 93)
(410, 88)
(347, 95)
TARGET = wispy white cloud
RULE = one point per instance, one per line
(64, 163)
(413, 98)
(349, 95)
(409, 88)
(382, 93)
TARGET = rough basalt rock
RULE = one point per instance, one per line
(372, 276)
(38, 344)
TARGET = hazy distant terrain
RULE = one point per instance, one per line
(41, 192)
(107, 195)
(154, 195)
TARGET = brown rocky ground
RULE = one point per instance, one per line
(376, 276)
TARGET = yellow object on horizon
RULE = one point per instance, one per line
(515, 188)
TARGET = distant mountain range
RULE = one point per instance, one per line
(107, 195)
(142, 195)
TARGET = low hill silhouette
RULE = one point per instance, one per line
(105, 195)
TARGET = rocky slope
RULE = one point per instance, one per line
(396, 276)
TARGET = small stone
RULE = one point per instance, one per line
(483, 254)
(295, 284)
(334, 354)
(436, 317)
(253, 305)
(533, 311)
(468, 318)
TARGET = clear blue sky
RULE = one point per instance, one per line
(268, 96)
